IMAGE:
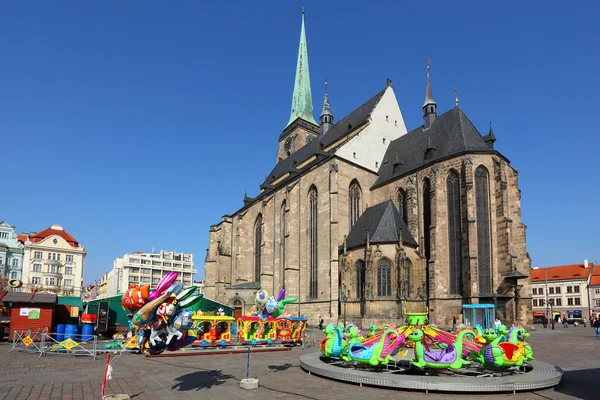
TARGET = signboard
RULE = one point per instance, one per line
(30, 313)
(102, 316)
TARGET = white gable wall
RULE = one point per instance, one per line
(368, 147)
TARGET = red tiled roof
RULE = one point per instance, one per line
(561, 272)
(38, 237)
(21, 237)
(595, 278)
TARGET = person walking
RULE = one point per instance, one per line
(565, 322)
(453, 324)
(321, 323)
(584, 321)
(597, 326)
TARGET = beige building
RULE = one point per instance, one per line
(367, 217)
(142, 268)
(53, 261)
(561, 291)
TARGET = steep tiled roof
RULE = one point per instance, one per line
(451, 134)
(383, 222)
(341, 128)
(38, 237)
(561, 272)
(21, 237)
(595, 278)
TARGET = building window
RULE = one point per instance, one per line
(427, 217)
(569, 301)
(558, 302)
(3, 235)
(257, 247)
(558, 290)
(68, 283)
(35, 280)
(597, 302)
(50, 281)
(313, 213)
(384, 278)
(38, 255)
(146, 271)
(596, 290)
(68, 270)
(577, 301)
(168, 265)
(13, 275)
(569, 290)
(282, 232)
(360, 279)
(69, 258)
(540, 290)
(354, 202)
(550, 290)
(535, 302)
(37, 267)
(534, 291)
(145, 261)
(134, 260)
(406, 278)
(402, 205)
(58, 257)
(156, 262)
(576, 289)
(454, 233)
(483, 230)
(541, 302)
(15, 262)
(53, 269)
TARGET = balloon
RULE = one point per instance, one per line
(135, 297)
(164, 283)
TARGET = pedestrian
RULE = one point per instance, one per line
(321, 323)
(597, 326)
(497, 324)
(565, 322)
(453, 323)
(584, 321)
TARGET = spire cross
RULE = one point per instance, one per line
(428, 62)
(456, 96)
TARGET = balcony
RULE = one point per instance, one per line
(56, 275)
(53, 262)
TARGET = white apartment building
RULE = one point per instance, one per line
(561, 291)
(141, 268)
(53, 261)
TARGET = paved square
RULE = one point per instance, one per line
(25, 376)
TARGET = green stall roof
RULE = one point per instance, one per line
(70, 301)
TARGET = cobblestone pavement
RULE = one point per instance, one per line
(26, 376)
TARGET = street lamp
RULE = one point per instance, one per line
(344, 298)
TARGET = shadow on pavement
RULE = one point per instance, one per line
(201, 380)
(582, 384)
(279, 367)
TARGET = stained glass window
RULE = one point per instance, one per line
(257, 247)
(483, 230)
(454, 234)
(384, 278)
(312, 240)
(354, 202)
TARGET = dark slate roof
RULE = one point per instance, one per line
(16, 297)
(247, 285)
(383, 222)
(450, 135)
(341, 128)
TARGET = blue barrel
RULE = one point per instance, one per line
(87, 332)
(234, 329)
(71, 332)
(60, 332)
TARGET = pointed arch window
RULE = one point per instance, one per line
(454, 233)
(312, 240)
(384, 278)
(483, 230)
(257, 247)
(354, 202)
(427, 217)
(406, 267)
(360, 279)
(282, 229)
(402, 205)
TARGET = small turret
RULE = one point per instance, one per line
(429, 106)
(326, 116)
(490, 138)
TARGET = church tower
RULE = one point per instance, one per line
(429, 106)
(302, 126)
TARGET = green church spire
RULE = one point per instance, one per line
(302, 105)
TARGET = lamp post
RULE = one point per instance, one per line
(344, 298)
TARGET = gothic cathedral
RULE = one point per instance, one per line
(362, 218)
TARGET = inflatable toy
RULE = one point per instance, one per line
(269, 306)
(449, 357)
(135, 297)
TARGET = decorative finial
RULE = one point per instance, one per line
(389, 82)
(326, 86)
(302, 10)
(456, 96)
(428, 62)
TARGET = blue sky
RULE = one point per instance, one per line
(139, 124)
